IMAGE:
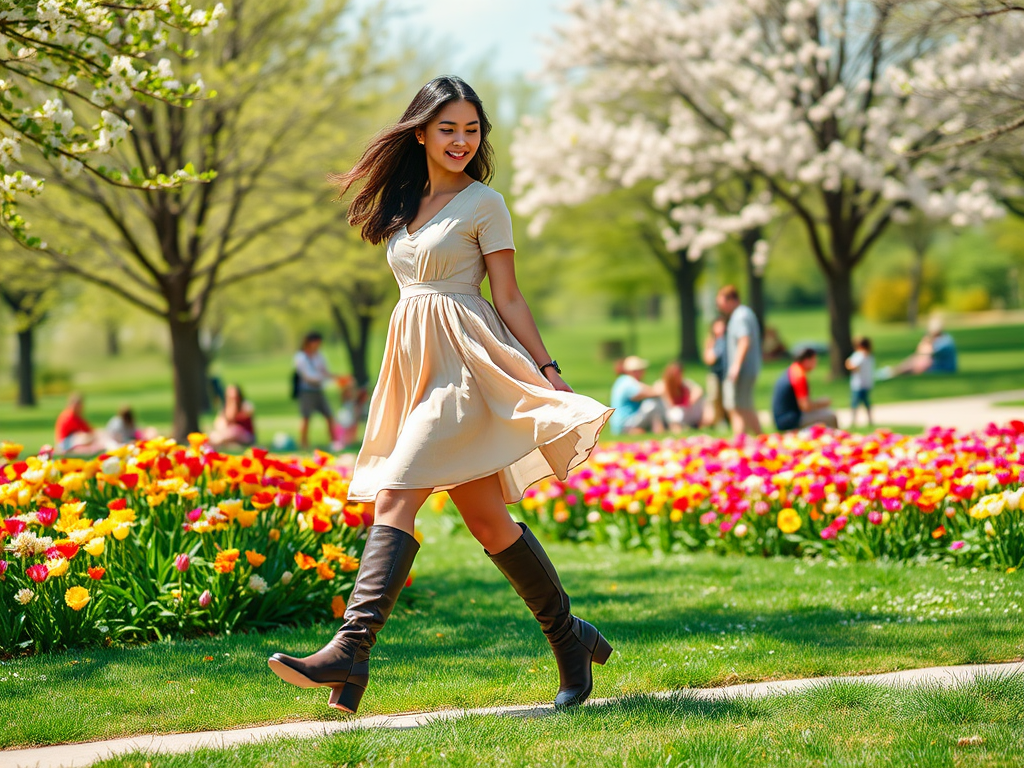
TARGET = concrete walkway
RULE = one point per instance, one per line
(970, 412)
(966, 413)
(77, 755)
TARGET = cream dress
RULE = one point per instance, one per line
(458, 397)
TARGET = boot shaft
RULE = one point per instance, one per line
(530, 572)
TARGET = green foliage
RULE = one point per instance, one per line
(166, 542)
(683, 620)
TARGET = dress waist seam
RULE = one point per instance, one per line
(427, 288)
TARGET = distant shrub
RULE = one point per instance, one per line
(973, 298)
(887, 299)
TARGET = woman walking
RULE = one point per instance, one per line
(468, 399)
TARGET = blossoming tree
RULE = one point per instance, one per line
(810, 98)
(285, 72)
(68, 70)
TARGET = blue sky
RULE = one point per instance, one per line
(504, 32)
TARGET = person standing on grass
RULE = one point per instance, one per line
(861, 365)
(792, 405)
(742, 361)
(714, 359)
(468, 399)
(311, 369)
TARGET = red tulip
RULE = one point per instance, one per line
(54, 491)
(37, 572)
(46, 516)
(67, 549)
(97, 573)
(14, 526)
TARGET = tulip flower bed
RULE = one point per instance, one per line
(943, 495)
(158, 539)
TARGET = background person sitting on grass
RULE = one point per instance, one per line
(791, 400)
(234, 424)
(935, 353)
(638, 407)
(684, 398)
(72, 433)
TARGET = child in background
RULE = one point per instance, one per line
(347, 421)
(861, 365)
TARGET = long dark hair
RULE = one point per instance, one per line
(395, 163)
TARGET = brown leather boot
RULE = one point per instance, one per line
(575, 642)
(343, 664)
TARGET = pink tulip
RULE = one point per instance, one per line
(195, 514)
(957, 545)
(46, 516)
(182, 562)
(205, 599)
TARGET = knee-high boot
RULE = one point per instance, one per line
(343, 664)
(574, 642)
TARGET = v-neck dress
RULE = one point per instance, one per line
(458, 397)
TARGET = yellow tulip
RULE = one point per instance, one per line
(95, 546)
(57, 567)
(789, 521)
(77, 598)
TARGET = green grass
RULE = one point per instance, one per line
(842, 724)
(676, 621)
(1011, 404)
(991, 360)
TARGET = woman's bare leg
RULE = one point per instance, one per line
(398, 508)
(482, 507)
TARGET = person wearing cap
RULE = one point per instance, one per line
(792, 405)
(742, 361)
(638, 407)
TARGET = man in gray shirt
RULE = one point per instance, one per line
(742, 361)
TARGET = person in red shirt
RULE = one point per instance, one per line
(72, 432)
(792, 406)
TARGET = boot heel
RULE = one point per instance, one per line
(346, 697)
(602, 650)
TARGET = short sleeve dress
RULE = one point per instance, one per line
(458, 397)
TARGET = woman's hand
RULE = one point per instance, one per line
(556, 380)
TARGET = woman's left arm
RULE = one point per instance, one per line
(515, 313)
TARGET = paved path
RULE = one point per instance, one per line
(966, 413)
(77, 755)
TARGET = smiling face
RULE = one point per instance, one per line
(452, 138)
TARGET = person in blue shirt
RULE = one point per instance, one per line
(936, 353)
(639, 407)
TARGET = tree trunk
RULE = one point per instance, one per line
(113, 340)
(840, 315)
(26, 368)
(686, 274)
(755, 280)
(189, 377)
(356, 345)
(916, 279)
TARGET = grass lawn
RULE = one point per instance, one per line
(837, 725)
(991, 360)
(675, 621)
